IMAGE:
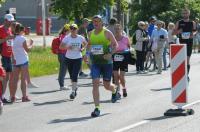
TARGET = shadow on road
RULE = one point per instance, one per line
(160, 118)
(162, 89)
(87, 84)
(103, 101)
(146, 74)
(78, 78)
(78, 119)
(45, 92)
(51, 102)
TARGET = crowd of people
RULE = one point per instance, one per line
(14, 59)
(104, 49)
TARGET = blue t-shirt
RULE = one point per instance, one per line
(151, 28)
(157, 33)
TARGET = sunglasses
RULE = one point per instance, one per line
(73, 28)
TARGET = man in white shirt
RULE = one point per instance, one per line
(159, 38)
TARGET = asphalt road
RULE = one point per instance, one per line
(149, 96)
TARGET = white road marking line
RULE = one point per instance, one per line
(132, 126)
(193, 103)
(148, 121)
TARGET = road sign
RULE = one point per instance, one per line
(12, 10)
(179, 80)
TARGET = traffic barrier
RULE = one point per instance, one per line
(179, 81)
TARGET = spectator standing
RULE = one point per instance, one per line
(159, 38)
(61, 57)
(6, 40)
(197, 37)
(142, 40)
(21, 61)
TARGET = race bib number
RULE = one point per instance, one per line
(185, 35)
(118, 57)
(76, 46)
(97, 49)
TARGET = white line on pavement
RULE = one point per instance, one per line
(147, 121)
(132, 126)
(193, 103)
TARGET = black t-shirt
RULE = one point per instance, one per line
(187, 27)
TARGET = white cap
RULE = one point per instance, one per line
(9, 17)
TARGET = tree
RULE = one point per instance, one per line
(1, 2)
(77, 9)
(166, 10)
(147, 9)
(122, 6)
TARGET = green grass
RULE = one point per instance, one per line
(42, 62)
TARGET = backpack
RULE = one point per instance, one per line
(134, 38)
(55, 45)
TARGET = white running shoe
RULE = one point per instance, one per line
(32, 85)
(64, 88)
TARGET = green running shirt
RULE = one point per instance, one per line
(100, 45)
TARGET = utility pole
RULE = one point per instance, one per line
(43, 23)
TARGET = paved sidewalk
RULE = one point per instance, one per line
(38, 40)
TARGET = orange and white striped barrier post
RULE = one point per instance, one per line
(179, 81)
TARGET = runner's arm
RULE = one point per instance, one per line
(113, 41)
(27, 47)
(129, 42)
(84, 45)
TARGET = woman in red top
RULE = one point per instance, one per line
(61, 58)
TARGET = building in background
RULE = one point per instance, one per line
(29, 11)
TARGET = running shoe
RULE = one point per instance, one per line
(95, 113)
(82, 74)
(6, 101)
(124, 93)
(73, 94)
(25, 99)
(116, 96)
(138, 72)
(63, 88)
